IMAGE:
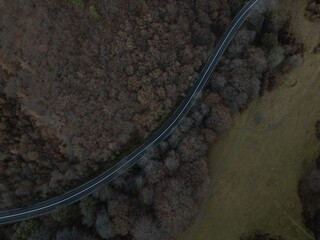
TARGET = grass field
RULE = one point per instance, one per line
(255, 167)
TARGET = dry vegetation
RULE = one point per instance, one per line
(313, 10)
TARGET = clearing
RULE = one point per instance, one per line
(255, 166)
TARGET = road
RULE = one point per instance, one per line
(18, 214)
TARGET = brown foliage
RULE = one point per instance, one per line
(313, 10)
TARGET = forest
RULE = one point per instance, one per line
(82, 82)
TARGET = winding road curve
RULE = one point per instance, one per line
(18, 214)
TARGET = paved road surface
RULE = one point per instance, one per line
(87, 188)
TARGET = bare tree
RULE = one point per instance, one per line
(146, 228)
(104, 226)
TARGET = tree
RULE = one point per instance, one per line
(171, 162)
(72, 234)
(314, 10)
(219, 118)
(146, 228)
(154, 171)
(317, 126)
(43, 233)
(25, 229)
(118, 210)
(104, 226)
(201, 36)
(258, 235)
(241, 41)
(104, 193)
(270, 40)
(174, 207)
(292, 62)
(314, 181)
(65, 215)
(309, 193)
(24, 188)
(146, 195)
(88, 210)
(275, 57)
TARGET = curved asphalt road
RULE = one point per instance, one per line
(76, 194)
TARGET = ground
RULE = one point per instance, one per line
(255, 167)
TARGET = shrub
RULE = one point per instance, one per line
(318, 129)
(275, 57)
(270, 40)
(65, 215)
(78, 3)
(25, 230)
(104, 226)
(260, 236)
(88, 210)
